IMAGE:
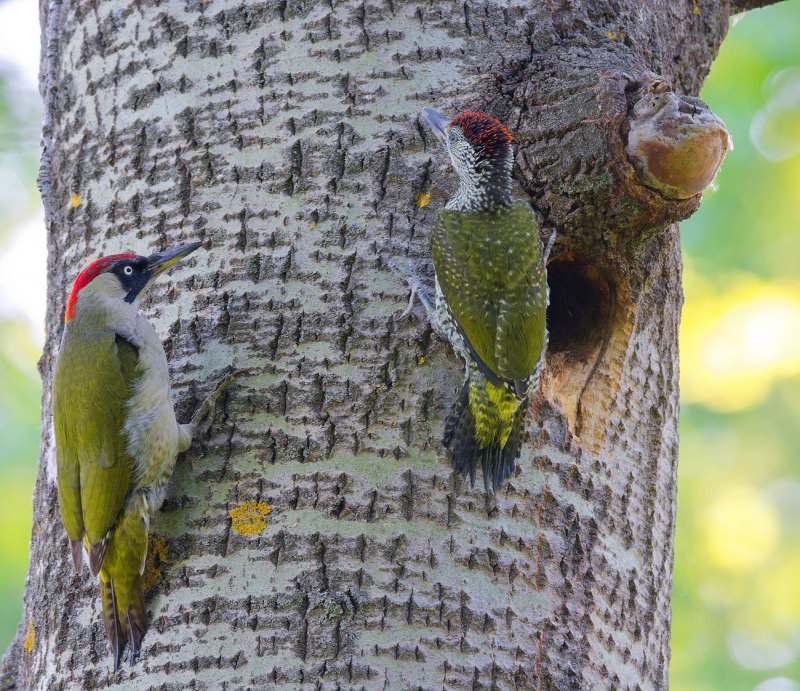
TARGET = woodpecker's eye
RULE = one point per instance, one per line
(453, 137)
(128, 271)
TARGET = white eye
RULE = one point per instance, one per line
(128, 271)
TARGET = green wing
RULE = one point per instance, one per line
(93, 381)
(490, 268)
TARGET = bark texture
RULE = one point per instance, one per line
(285, 135)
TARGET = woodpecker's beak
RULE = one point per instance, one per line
(161, 261)
(440, 124)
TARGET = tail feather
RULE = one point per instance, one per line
(76, 547)
(135, 618)
(124, 615)
(116, 639)
(123, 595)
(497, 462)
(97, 554)
(459, 436)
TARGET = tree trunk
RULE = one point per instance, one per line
(285, 136)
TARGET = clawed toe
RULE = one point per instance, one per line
(413, 281)
(204, 417)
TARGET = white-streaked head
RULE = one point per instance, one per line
(479, 147)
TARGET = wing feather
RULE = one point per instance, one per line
(490, 269)
(92, 384)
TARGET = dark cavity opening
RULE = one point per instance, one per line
(580, 307)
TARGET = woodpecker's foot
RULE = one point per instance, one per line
(417, 289)
(204, 416)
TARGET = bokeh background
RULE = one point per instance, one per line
(736, 622)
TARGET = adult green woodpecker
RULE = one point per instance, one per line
(491, 295)
(116, 434)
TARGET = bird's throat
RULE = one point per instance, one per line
(484, 188)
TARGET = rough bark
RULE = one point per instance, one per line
(285, 136)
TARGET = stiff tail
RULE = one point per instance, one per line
(497, 460)
(116, 639)
(124, 612)
(125, 617)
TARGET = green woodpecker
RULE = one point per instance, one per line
(491, 295)
(116, 433)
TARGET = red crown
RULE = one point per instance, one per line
(483, 130)
(86, 276)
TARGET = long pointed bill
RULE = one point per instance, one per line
(440, 124)
(161, 261)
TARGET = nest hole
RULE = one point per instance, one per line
(581, 300)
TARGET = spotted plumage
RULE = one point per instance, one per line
(491, 296)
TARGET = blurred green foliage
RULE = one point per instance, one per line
(736, 622)
(20, 394)
(20, 386)
(736, 598)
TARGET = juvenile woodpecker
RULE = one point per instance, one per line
(115, 431)
(491, 295)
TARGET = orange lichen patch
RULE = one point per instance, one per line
(74, 201)
(612, 36)
(157, 556)
(423, 199)
(421, 360)
(30, 638)
(312, 225)
(250, 518)
(695, 7)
